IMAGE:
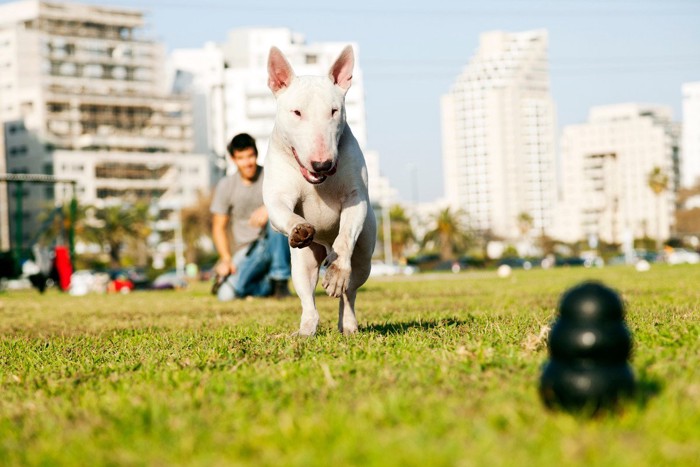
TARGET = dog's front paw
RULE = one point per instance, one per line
(308, 328)
(302, 235)
(336, 280)
(348, 326)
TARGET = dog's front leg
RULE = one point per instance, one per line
(352, 217)
(283, 219)
(305, 269)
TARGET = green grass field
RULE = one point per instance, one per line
(444, 371)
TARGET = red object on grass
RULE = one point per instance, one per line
(121, 284)
(63, 266)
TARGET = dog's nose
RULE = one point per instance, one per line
(320, 167)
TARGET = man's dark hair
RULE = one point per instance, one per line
(240, 142)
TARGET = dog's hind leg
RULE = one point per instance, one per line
(305, 266)
(361, 264)
(347, 322)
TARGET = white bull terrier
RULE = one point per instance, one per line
(315, 187)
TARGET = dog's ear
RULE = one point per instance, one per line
(341, 71)
(279, 71)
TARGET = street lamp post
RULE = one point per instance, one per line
(386, 225)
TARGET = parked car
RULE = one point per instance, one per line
(120, 282)
(384, 269)
(635, 256)
(682, 256)
(449, 265)
(136, 275)
(568, 261)
(168, 281)
(516, 262)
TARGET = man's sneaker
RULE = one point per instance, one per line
(280, 289)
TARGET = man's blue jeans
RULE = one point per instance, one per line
(266, 260)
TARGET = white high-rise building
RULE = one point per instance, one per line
(498, 133)
(199, 73)
(380, 190)
(690, 154)
(606, 164)
(82, 97)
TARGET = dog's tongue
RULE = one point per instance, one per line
(312, 177)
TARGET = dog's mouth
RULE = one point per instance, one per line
(312, 177)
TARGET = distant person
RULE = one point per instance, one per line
(258, 262)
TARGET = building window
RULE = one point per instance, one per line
(93, 71)
(119, 72)
(67, 69)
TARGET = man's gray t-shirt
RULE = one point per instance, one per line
(234, 198)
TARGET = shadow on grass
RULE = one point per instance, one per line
(648, 387)
(388, 328)
(319, 292)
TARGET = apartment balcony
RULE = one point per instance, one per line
(105, 92)
(96, 91)
(124, 173)
(160, 119)
(128, 169)
(93, 121)
(142, 142)
(72, 22)
(107, 59)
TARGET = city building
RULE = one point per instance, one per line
(199, 73)
(381, 193)
(498, 136)
(690, 158)
(83, 96)
(606, 167)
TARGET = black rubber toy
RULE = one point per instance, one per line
(589, 347)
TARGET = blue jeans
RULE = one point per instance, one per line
(265, 260)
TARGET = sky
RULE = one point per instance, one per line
(600, 52)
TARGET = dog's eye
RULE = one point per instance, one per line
(297, 113)
(333, 112)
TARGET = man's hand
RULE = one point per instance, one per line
(259, 217)
(224, 267)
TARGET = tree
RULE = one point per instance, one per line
(525, 222)
(658, 182)
(196, 223)
(401, 231)
(687, 214)
(56, 223)
(450, 235)
(115, 226)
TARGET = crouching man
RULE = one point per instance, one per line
(258, 262)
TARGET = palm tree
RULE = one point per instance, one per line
(450, 235)
(115, 226)
(401, 231)
(658, 182)
(56, 223)
(525, 222)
